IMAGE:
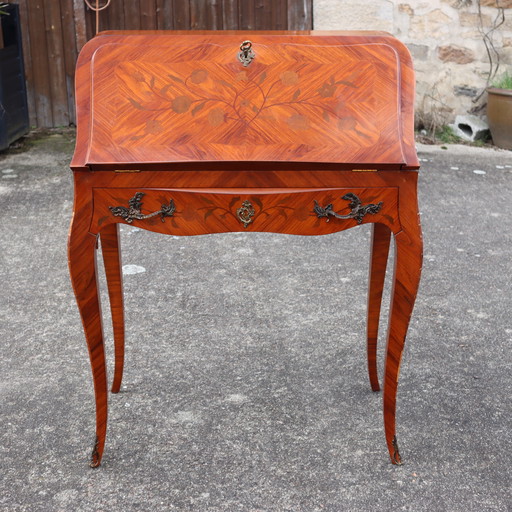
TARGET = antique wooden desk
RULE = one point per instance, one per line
(187, 133)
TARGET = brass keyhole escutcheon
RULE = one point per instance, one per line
(245, 55)
(245, 213)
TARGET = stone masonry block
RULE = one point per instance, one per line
(418, 51)
(470, 19)
(353, 15)
(432, 24)
(451, 53)
(506, 4)
(406, 8)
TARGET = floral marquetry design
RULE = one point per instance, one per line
(319, 104)
(203, 95)
(261, 104)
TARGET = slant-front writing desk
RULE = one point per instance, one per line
(187, 133)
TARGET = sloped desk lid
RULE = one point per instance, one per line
(174, 97)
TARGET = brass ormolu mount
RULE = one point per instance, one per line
(358, 209)
(133, 212)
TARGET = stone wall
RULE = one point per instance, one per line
(446, 42)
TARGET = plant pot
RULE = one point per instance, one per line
(499, 116)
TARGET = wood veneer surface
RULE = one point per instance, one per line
(172, 120)
(174, 97)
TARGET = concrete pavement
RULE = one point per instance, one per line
(245, 385)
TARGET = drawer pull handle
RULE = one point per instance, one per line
(358, 209)
(245, 55)
(245, 213)
(133, 212)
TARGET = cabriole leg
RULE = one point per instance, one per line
(381, 236)
(112, 260)
(408, 261)
(82, 267)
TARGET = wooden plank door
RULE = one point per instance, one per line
(54, 31)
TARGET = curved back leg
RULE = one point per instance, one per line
(381, 236)
(109, 236)
(82, 267)
(408, 261)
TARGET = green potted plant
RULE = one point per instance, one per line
(499, 110)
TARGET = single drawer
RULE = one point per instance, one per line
(201, 211)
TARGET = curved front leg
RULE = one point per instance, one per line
(109, 236)
(82, 267)
(408, 261)
(381, 236)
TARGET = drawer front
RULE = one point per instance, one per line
(195, 212)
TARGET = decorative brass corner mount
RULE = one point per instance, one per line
(396, 454)
(95, 455)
